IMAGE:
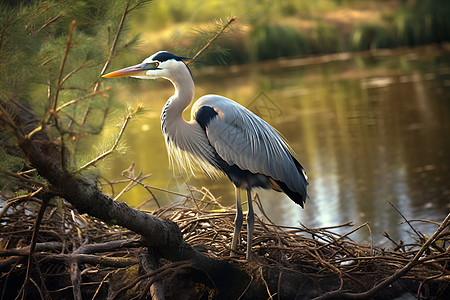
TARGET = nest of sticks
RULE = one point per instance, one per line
(104, 251)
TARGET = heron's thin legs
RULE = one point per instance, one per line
(237, 222)
(250, 225)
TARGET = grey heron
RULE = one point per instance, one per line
(222, 137)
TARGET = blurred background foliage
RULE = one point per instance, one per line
(273, 28)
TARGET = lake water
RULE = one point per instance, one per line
(366, 129)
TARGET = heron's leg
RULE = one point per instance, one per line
(250, 225)
(237, 222)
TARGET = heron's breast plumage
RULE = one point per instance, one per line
(187, 145)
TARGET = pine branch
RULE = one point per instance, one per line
(231, 20)
(114, 146)
(59, 81)
(61, 67)
(126, 11)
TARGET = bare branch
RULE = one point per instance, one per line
(18, 198)
(93, 259)
(75, 101)
(420, 236)
(50, 21)
(37, 224)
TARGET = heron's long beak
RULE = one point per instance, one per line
(126, 72)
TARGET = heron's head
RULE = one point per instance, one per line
(162, 64)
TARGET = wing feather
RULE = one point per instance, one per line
(241, 138)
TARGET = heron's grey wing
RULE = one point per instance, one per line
(241, 138)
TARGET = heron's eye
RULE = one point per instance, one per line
(150, 66)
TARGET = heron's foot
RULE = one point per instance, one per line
(249, 256)
(234, 243)
(233, 253)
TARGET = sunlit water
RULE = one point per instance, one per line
(367, 130)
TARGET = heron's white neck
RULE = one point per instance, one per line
(184, 93)
(172, 121)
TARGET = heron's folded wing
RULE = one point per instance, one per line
(241, 138)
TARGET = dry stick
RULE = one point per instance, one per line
(342, 236)
(25, 251)
(75, 277)
(386, 235)
(132, 184)
(399, 273)
(415, 231)
(214, 38)
(38, 288)
(16, 199)
(371, 239)
(335, 269)
(156, 188)
(45, 201)
(190, 192)
(260, 206)
(157, 274)
(279, 285)
(126, 188)
(41, 277)
(106, 261)
(248, 286)
(266, 285)
(422, 220)
(68, 75)
(349, 223)
(136, 180)
(140, 206)
(5, 281)
(101, 283)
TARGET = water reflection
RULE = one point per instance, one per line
(366, 130)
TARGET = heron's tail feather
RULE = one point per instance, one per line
(297, 197)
